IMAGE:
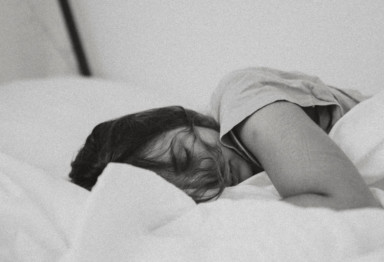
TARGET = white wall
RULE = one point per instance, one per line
(33, 41)
(191, 44)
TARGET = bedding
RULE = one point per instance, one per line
(124, 221)
(134, 215)
(245, 224)
(37, 212)
(361, 136)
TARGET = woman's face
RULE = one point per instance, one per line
(238, 168)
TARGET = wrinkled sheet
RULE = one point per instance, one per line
(37, 212)
(133, 215)
(360, 133)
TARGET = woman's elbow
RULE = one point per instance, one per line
(344, 202)
(333, 201)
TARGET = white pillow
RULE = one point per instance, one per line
(360, 133)
(38, 212)
(45, 122)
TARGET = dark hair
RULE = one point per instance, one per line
(128, 139)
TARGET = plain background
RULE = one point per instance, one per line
(189, 45)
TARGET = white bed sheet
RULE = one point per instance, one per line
(38, 212)
(134, 215)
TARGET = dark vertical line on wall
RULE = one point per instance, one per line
(75, 38)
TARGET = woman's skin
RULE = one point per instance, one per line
(306, 167)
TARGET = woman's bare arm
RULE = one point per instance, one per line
(304, 164)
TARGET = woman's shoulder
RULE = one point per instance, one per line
(249, 82)
(243, 92)
(234, 81)
(243, 80)
(264, 74)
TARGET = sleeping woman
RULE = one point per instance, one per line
(262, 120)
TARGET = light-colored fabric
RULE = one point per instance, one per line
(151, 220)
(245, 91)
(135, 215)
(360, 133)
(45, 122)
(38, 212)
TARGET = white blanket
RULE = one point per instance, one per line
(37, 212)
(134, 215)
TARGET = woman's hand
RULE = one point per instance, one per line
(304, 164)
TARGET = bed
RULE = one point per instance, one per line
(134, 215)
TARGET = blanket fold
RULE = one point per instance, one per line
(134, 215)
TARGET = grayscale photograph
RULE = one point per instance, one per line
(191, 131)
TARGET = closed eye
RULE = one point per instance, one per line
(182, 159)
